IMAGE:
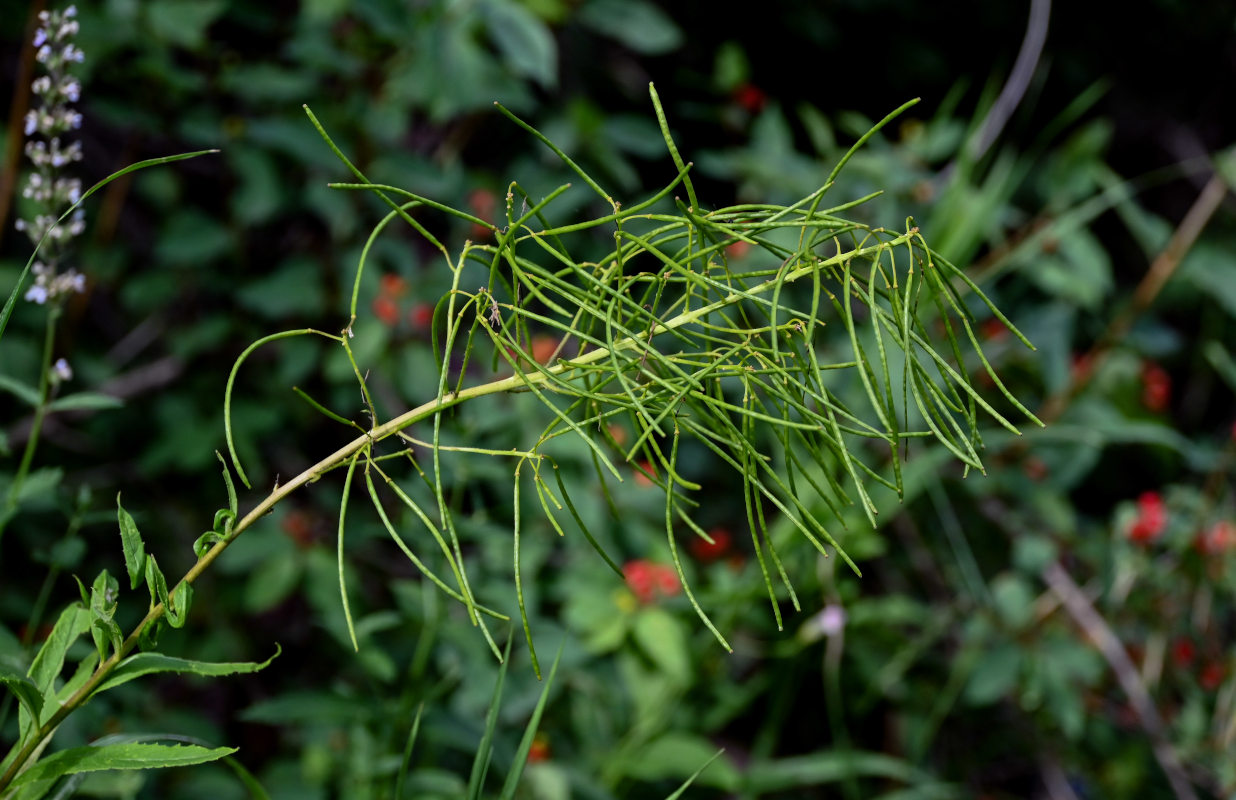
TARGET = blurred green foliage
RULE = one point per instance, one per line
(956, 670)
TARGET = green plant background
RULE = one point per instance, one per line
(958, 673)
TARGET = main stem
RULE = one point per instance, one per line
(390, 428)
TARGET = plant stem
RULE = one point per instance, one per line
(40, 413)
(390, 428)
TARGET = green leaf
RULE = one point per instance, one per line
(23, 688)
(232, 503)
(183, 22)
(271, 582)
(994, 675)
(149, 663)
(190, 238)
(27, 394)
(511, 783)
(641, 26)
(39, 485)
(1211, 268)
(119, 756)
(85, 400)
(1081, 273)
(525, 43)
(1221, 360)
(206, 541)
(156, 583)
(827, 767)
(297, 708)
(1014, 600)
(73, 622)
(131, 540)
(177, 613)
(293, 289)
(103, 600)
(679, 755)
(664, 640)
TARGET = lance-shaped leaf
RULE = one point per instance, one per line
(23, 689)
(134, 550)
(149, 663)
(119, 756)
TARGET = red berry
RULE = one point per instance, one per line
(750, 98)
(392, 285)
(993, 330)
(1211, 676)
(1183, 652)
(386, 309)
(648, 579)
(1217, 539)
(737, 249)
(667, 580)
(640, 579)
(543, 348)
(421, 316)
(643, 480)
(1151, 518)
(482, 203)
(1156, 387)
(539, 751)
(704, 551)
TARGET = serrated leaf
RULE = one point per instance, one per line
(149, 663)
(85, 400)
(131, 540)
(120, 756)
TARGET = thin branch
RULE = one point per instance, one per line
(1097, 629)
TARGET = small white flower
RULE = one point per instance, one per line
(37, 294)
(62, 370)
(44, 54)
